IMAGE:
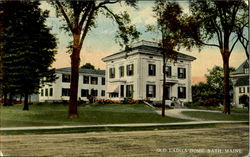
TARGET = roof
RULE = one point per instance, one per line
(242, 81)
(149, 47)
(240, 69)
(82, 70)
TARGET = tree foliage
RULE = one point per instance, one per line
(88, 66)
(28, 48)
(80, 17)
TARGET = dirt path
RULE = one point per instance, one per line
(164, 143)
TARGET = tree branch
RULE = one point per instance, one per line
(86, 27)
(107, 2)
(84, 16)
(65, 15)
(233, 45)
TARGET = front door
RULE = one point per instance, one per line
(167, 92)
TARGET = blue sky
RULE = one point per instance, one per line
(100, 41)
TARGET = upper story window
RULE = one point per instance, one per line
(65, 92)
(151, 69)
(111, 72)
(103, 80)
(103, 93)
(130, 70)
(94, 80)
(121, 71)
(150, 91)
(65, 77)
(241, 89)
(182, 92)
(168, 71)
(85, 79)
(182, 73)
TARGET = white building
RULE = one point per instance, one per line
(139, 74)
(91, 82)
(240, 82)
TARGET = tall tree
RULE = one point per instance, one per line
(215, 23)
(80, 17)
(170, 20)
(28, 47)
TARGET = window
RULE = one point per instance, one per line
(151, 69)
(122, 91)
(65, 77)
(246, 70)
(113, 95)
(103, 93)
(129, 91)
(168, 71)
(84, 93)
(85, 79)
(65, 92)
(241, 89)
(41, 92)
(94, 92)
(103, 80)
(182, 92)
(111, 72)
(94, 80)
(182, 73)
(150, 91)
(51, 92)
(130, 69)
(121, 71)
(46, 92)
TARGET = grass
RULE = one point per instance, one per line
(216, 116)
(218, 108)
(56, 115)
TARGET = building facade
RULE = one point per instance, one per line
(91, 82)
(138, 74)
(240, 80)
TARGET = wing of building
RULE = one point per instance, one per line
(240, 82)
(138, 74)
(91, 82)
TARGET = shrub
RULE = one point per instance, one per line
(211, 102)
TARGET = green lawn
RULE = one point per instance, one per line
(218, 108)
(216, 116)
(54, 114)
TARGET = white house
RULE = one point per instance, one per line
(91, 82)
(240, 80)
(138, 74)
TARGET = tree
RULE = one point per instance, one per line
(80, 18)
(88, 66)
(170, 19)
(215, 23)
(28, 47)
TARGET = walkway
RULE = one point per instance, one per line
(177, 113)
(118, 125)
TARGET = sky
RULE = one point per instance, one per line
(100, 41)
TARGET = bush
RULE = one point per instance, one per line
(211, 102)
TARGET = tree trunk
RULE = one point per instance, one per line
(10, 103)
(5, 99)
(26, 102)
(75, 61)
(226, 101)
(163, 86)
